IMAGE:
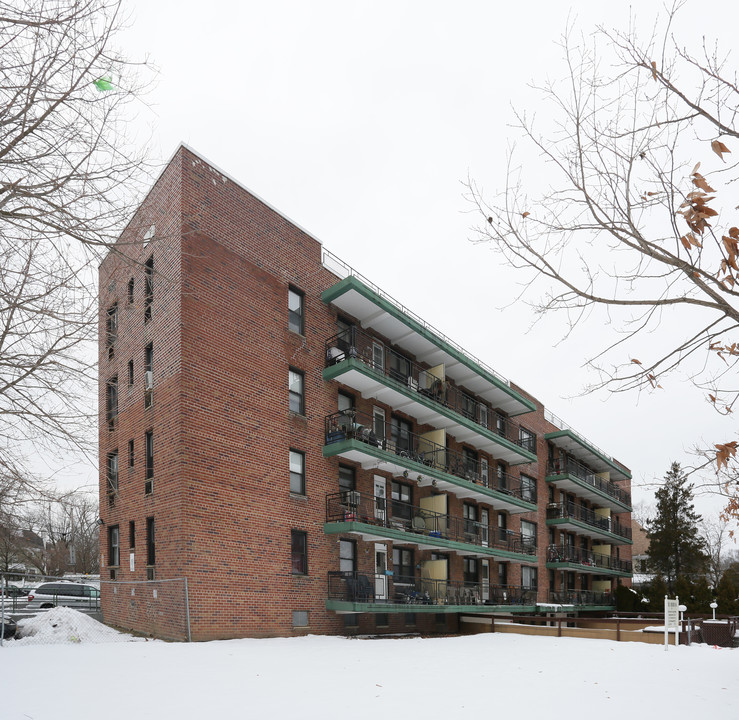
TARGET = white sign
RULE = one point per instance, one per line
(672, 619)
(671, 614)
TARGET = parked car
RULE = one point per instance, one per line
(9, 627)
(70, 594)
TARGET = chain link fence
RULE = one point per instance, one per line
(56, 610)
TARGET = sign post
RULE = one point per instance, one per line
(671, 619)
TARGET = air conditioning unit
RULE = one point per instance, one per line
(148, 379)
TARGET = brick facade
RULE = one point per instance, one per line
(218, 412)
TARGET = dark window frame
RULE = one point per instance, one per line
(400, 507)
(114, 546)
(296, 318)
(150, 542)
(299, 552)
(148, 287)
(347, 555)
(296, 398)
(297, 478)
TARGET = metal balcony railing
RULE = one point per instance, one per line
(369, 350)
(353, 506)
(580, 597)
(569, 510)
(386, 589)
(586, 475)
(352, 424)
(586, 558)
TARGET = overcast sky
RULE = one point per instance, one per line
(361, 121)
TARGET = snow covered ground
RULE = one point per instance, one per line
(84, 674)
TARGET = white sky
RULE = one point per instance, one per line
(362, 120)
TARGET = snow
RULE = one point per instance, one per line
(65, 625)
(334, 677)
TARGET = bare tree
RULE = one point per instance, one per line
(70, 175)
(716, 545)
(633, 232)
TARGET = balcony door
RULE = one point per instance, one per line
(485, 580)
(484, 525)
(380, 499)
(381, 571)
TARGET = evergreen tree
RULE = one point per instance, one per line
(675, 547)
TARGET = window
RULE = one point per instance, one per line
(378, 423)
(400, 433)
(484, 472)
(410, 618)
(381, 620)
(400, 367)
(149, 451)
(112, 474)
(345, 405)
(482, 417)
(529, 577)
(503, 526)
(500, 425)
(468, 406)
(470, 571)
(502, 574)
(378, 356)
(351, 620)
(130, 291)
(402, 496)
(130, 372)
(111, 329)
(345, 337)
(347, 478)
(295, 303)
(150, 542)
(111, 401)
(148, 287)
(528, 534)
(297, 391)
(131, 456)
(300, 618)
(404, 569)
(297, 472)
(527, 439)
(469, 513)
(348, 556)
(528, 488)
(148, 375)
(114, 554)
(502, 477)
(470, 464)
(299, 552)
(132, 535)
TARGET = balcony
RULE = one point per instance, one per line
(579, 447)
(568, 515)
(581, 597)
(575, 477)
(574, 558)
(361, 438)
(374, 309)
(371, 517)
(358, 359)
(355, 592)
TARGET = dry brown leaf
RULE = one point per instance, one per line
(719, 148)
(634, 360)
(525, 215)
(654, 69)
(685, 242)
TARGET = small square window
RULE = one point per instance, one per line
(297, 472)
(351, 620)
(300, 618)
(297, 391)
(299, 552)
(381, 620)
(295, 310)
(410, 618)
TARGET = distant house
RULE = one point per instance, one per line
(19, 549)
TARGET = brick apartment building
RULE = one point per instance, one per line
(312, 456)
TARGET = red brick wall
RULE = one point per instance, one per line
(220, 417)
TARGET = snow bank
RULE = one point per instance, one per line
(63, 625)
